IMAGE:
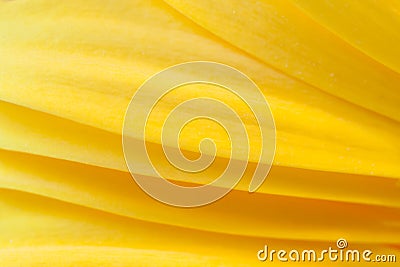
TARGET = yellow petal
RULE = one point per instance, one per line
(86, 236)
(67, 74)
(279, 34)
(81, 76)
(370, 26)
(239, 213)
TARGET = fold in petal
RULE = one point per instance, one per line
(374, 31)
(82, 76)
(281, 35)
(66, 235)
(68, 71)
(42, 134)
(239, 213)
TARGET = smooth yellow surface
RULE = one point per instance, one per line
(283, 37)
(328, 69)
(43, 134)
(374, 32)
(116, 192)
(89, 78)
(92, 237)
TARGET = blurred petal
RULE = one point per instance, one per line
(86, 237)
(368, 25)
(82, 76)
(239, 213)
(42, 134)
(68, 71)
(279, 34)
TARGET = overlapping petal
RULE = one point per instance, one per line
(68, 71)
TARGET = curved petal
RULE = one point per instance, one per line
(279, 34)
(370, 26)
